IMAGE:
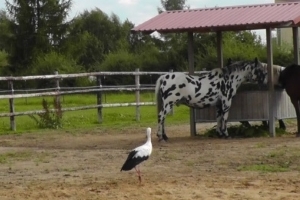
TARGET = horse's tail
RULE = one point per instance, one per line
(158, 96)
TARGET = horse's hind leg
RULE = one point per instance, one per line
(161, 134)
(219, 120)
(165, 137)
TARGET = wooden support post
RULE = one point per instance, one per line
(220, 49)
(137, 96)
(271, 92)
(12, 108)
(296, 44)
(99, 99)
(191, 71)
(57, 96)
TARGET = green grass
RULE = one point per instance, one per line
(117, 117)
(264, 168)
(280, 159)
(8, 157)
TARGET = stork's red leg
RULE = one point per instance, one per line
(139, 174)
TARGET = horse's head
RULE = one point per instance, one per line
(258, 73)
(277, 69)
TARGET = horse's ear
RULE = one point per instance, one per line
(229, 61)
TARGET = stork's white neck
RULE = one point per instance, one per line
(148, 134)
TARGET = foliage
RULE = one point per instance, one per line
(244, 131)
(38, 26)
(5, 33)
(174, 45)
(49, 119)
(244, 45)
(3, 59)
(49, 63)
(120, 61)
(172, 5)
(282, 55)
(93, 35)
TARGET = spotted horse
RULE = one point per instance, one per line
(214, 88)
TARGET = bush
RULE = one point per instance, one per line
(244, 131)
(46, 64)
(49, 119)
(120, 61)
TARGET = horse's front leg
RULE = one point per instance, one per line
(224, 124)
(225, 112)
(219, 120)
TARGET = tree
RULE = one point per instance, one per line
(38, 26)
(5, 33)
(175, 45)
(243, 45)
(93, 35)
(172, 5)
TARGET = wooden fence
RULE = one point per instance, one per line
(98, 89)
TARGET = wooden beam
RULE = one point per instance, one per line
(271, 93)
(220, 49)
(191, 71)
(296, 44)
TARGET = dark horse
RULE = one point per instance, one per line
(289, 79)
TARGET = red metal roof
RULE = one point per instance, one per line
(274, 15)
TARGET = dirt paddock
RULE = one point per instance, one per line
(86, 165)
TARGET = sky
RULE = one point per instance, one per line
(139, 11)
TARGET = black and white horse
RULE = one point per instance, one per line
(215, 88)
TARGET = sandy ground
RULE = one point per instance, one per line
(86, 165)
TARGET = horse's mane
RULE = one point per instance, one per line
(236, 66)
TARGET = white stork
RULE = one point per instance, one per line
(138, 155)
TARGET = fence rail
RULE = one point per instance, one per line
(58, 91)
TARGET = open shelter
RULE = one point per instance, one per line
(231, 18)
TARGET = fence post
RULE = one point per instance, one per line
(12, 108)
(172, 110)
(137, 95)
(57, 97)
(99, 99)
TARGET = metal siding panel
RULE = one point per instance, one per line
(251, 106)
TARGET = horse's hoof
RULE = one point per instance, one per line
(227, 137)
(165, 137)
(161, 140)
